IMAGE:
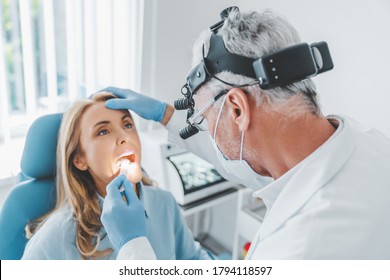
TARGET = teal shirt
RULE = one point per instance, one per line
(167, 232)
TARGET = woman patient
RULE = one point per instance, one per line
(93, 143)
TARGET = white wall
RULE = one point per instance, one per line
(357, 32)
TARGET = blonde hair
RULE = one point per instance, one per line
(75, 187)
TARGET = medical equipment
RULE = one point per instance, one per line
(276, 69)
(188, 177)
(124, 166)
(245, 249)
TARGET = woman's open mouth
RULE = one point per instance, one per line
(128, 166)
(125, 159)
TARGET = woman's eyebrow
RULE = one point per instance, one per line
(100, 123)
(107, 122)
(126, 116)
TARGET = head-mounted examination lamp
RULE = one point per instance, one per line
(276, 69)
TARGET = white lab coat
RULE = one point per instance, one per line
(335, 204)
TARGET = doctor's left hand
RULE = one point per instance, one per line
(122, 221)
(146, 107)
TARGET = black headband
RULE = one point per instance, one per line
(220, 59)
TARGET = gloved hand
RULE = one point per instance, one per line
(146, 107)
(122, 221)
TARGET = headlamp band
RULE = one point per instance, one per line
(220, 59)
(277, 69)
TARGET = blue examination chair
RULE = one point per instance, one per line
(36, 194)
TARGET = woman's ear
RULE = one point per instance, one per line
(80, 163)
(238, 102)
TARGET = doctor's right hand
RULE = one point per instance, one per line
(146, 107)
(122, 221)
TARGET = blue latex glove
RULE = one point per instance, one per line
(122, 221)
(146, 107)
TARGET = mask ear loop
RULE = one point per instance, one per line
(216, 125)
(242, 144)
(218, 117)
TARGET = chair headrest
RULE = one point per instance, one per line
(39, 154)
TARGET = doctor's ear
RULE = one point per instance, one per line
(80, 163)
(238, 101)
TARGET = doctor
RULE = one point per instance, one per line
(324, 179)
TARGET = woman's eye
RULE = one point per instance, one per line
(128, 125)
(102, 132)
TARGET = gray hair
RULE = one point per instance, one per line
(253, 35)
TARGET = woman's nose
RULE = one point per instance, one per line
(123, 138)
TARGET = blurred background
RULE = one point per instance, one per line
(55, 51)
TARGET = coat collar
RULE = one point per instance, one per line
(308, 177)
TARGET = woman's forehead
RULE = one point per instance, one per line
(98, 112)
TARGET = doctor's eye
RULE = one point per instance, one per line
(102, 132)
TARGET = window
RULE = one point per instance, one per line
(53, 52)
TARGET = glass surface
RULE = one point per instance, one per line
(195, 172)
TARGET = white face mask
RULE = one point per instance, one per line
(239, 169)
